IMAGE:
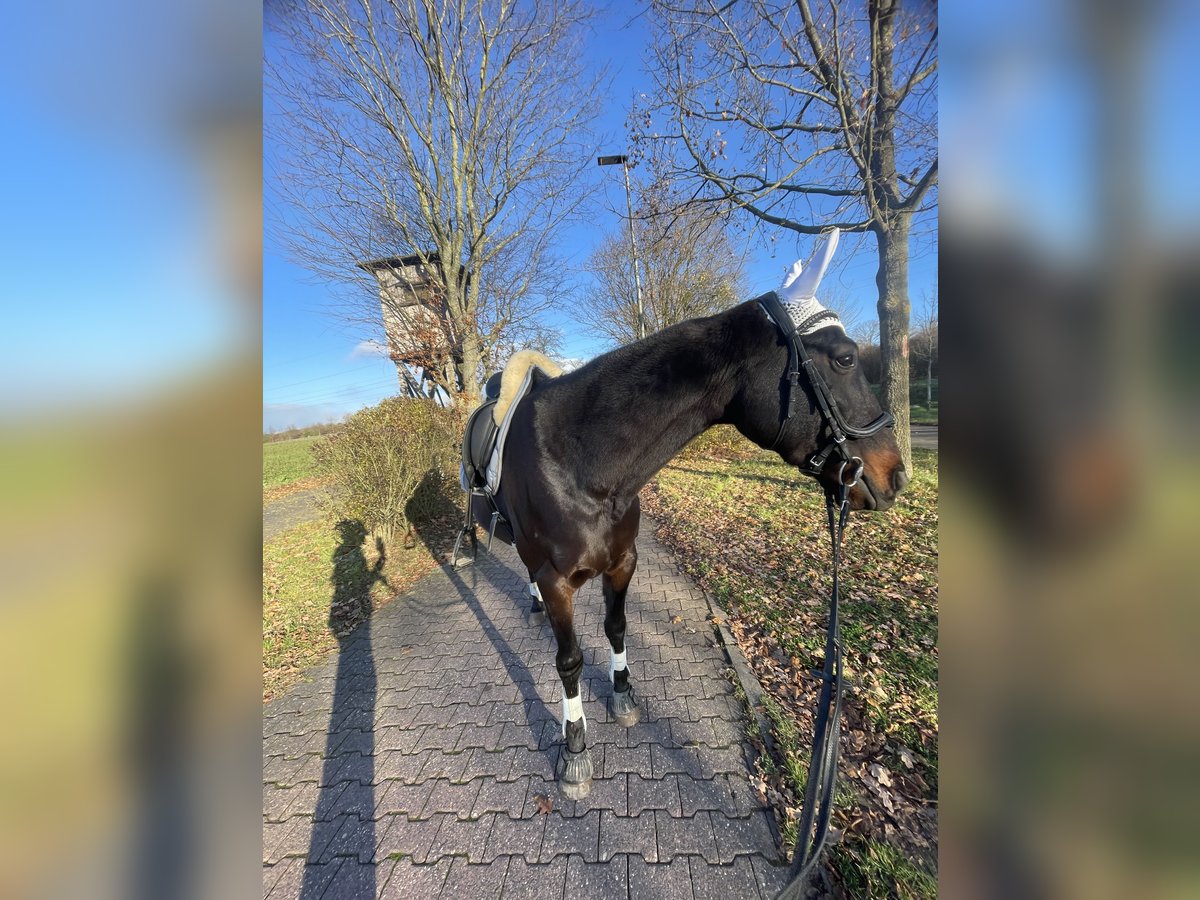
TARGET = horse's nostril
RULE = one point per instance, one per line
(899, 479)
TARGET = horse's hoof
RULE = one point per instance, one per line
(575, 780)
(537, 618)
(624, 710)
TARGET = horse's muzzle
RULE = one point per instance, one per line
(878, 494)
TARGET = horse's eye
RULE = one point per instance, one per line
(846, 361)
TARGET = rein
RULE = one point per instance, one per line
(813, 828)
(822, 769)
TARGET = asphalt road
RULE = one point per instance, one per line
(925, 437)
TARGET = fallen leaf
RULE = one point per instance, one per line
(675, 620)
(906, 757)
(880, 774)
(543, 803)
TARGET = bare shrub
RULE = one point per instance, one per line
(383, 457)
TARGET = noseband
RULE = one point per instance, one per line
(813, 826)
(839, 428)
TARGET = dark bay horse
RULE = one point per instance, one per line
(582, 446)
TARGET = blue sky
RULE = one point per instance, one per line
(312, 371)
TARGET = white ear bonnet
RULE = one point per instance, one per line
(798, 293)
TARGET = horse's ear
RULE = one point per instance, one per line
(810, 278)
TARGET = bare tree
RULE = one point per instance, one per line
(689, 269)
(924, 341)
(807, 114)
(452, 130)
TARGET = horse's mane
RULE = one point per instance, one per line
(514, 374)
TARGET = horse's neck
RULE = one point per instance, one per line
(673, 388)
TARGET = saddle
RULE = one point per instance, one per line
(487, 428)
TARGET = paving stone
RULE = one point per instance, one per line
(515, 836)
(567, 835)
(465, 880)
(607, 880)
(272, 874)
(745, 798)
(449, 766)
(406, 837)
(356, 838)
(437, 680)
(536, 763)
(677, 760)
(722, 882)
(299, 880)
(286, 839)
(281, 771)
(628, 760)
(748, 836)
(662, 881)
(726, 733)
(351, 881)
(482, 763)
(276, 801)
(721, 760)
(407, 799)
(463, 837)
(607, 793)
(684, 837)
(410, 880)
(771, 878)
(696, 795)
(545, 881)
(647, 794)
(402, 740)
(452, 797)
(627, 834)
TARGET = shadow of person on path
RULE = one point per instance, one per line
(344, 822)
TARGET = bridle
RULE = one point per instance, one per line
(822, 770)
(798, 361)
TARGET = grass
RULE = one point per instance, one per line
(751, 531)
(919, 415)
(288, 464)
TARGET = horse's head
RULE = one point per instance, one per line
(807, 434)
(837, 418)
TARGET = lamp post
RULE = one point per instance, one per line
(623, 162)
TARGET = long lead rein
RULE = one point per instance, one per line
(822, 771)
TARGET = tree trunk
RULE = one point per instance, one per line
(467, 370)
(892, 282)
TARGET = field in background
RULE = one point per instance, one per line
(307, 431)
(288, 466)
(751, 531)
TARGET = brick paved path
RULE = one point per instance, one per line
(408, 765)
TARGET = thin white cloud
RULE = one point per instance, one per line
(369, 348)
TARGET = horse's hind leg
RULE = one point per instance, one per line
(537, 613)
(575, 767)
(616, 586)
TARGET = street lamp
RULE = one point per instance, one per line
(623, 162)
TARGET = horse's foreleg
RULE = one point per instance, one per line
(616, 586)
(575, 767)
